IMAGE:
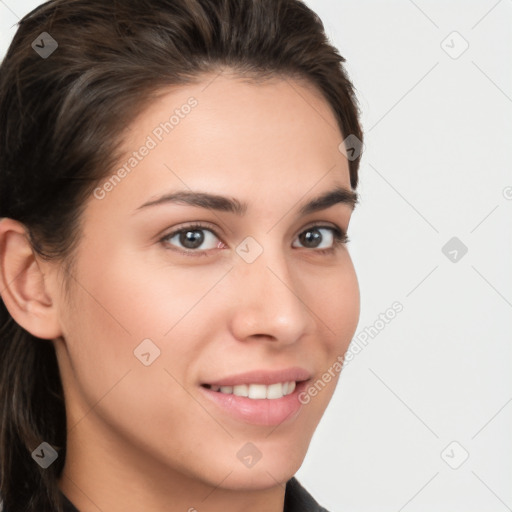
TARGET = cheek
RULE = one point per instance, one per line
(336, 302)
(105, 380)
(123, 308)
(346, 308)
(140, 297)
(338, 307)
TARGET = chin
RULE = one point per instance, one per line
(263, 474)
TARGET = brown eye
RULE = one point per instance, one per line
(195, 238)
(314, 238)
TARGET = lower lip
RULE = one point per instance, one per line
(265, 412)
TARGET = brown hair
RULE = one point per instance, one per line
(62, 117)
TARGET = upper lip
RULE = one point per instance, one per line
(266, 377)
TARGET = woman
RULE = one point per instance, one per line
(176, 184)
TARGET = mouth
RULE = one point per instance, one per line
(259, 398)
(257, 391)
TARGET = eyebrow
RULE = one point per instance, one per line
(232, 205)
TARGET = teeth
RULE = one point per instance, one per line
(275, 390)
(241, 390)
(258, 391)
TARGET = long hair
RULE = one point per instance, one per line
(75, 75)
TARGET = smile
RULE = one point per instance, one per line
(258, 397)
(257, 391)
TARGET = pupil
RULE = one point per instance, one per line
(192, 239)
(310, 235)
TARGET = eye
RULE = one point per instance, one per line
(191, 238)
(312, 237)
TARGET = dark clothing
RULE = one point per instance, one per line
(296, 499)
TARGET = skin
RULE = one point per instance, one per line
(144, 437)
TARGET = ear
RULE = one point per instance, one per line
(22, 283)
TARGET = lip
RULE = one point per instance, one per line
(262, 412)
(263, 377)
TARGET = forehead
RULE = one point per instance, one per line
(223, 134)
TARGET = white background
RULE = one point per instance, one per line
(436, 165)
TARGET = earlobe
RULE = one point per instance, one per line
(22, 283)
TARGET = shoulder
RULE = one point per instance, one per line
(297, 499)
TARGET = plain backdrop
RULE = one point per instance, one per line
(422, 415)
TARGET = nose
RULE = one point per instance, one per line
(268, 302)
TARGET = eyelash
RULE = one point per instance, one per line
(340, 238)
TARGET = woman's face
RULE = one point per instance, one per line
(146, 327)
